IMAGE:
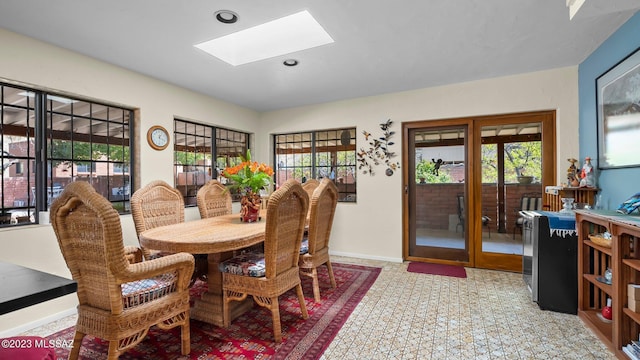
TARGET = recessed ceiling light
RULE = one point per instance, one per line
(286, 35)
(226, 16)
(290, 62)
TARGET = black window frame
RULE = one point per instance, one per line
(196, 145)
(314, 154)
(53, 119)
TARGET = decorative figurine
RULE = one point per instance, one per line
(572, 173)
(606, 311)
(587, 174)
(436, 167)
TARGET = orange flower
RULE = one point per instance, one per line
(248, 176)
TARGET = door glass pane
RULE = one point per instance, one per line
(439, 177)
(511, 158)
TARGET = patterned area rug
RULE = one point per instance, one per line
(437, 269)
(251, 335)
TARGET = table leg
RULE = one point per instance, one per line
(209, 307)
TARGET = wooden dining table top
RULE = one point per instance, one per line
(206, 236)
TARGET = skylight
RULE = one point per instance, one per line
(286, 35)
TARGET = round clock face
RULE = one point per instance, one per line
(158, 137)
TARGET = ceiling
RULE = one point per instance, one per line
(379, 48)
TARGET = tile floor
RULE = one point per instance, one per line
(488, 315)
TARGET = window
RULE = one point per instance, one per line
(318, 154)
(120, 168)
(195, 147)
(81, 141)
(19, 168)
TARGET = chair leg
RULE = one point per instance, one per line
(331, 277)
(515, 229)
(316, 286)
(77, 343)
(113, 353)
(186, 337)
(275, 315)
(225, 309)
(303, 305)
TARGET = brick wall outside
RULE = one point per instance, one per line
(435, 202)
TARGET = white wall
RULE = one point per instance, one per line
(40, 65)
(373, 226)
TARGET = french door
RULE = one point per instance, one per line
(437, 154)
(464, 179)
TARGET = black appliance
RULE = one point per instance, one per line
(550, 259)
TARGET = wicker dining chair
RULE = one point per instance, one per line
(159, 204)
(118, 301)
(156, 204)
(213, 199)
(310, 186)
(316, 250)
(268, 275)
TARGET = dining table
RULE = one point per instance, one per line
(218, 237)
(23, 287)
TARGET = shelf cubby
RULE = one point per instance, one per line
(623, 258)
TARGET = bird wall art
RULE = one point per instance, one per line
(379, 151)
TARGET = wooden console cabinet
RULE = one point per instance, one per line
(554, 194)
(623, 257)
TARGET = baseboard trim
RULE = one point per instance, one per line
(37, 323)
(367, 257)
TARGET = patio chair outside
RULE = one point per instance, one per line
(528, 202)
(461, 215)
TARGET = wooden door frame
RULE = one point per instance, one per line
(407, 185)
(547, 119)
(474, 186)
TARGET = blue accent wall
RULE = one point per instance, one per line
(616, 184)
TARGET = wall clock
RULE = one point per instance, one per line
(158, 137)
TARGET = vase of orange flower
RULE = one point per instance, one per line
(248, 178)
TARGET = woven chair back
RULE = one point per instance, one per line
(156, 204)
(213, 199)
(286, 217)
(310, 186)
(89, 233)
(322, 210)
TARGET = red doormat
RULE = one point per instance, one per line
(251, 335)
(437, 269)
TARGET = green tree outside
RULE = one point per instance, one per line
(425, 169)
(64, 152)
(521, 159)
